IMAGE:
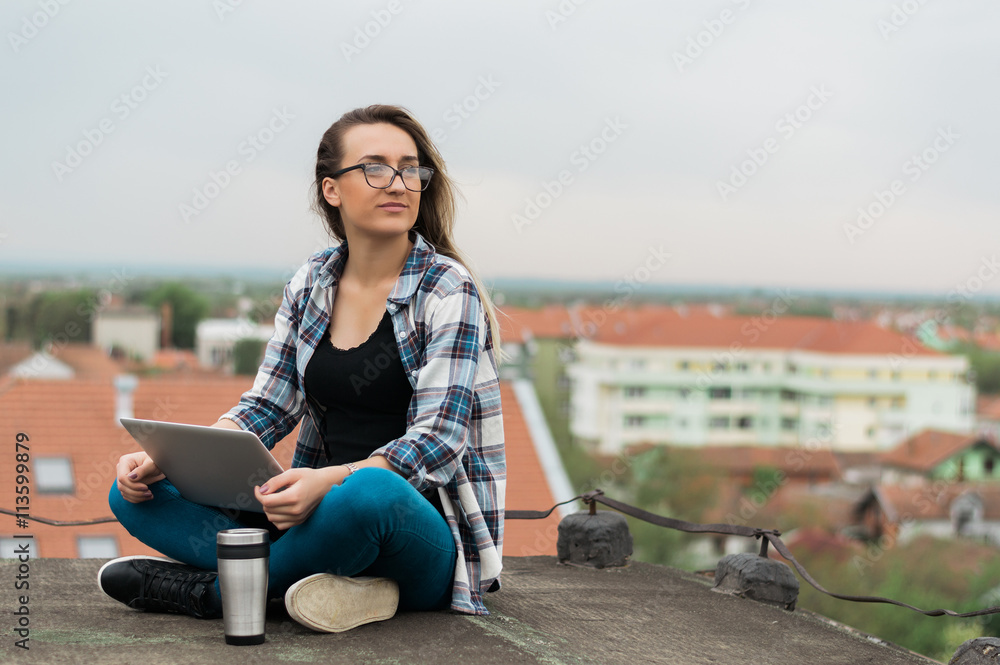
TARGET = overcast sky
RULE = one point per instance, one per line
(726, 143)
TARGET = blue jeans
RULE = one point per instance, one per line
(374, 523)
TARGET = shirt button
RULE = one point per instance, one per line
(402, 334)
(392, 307)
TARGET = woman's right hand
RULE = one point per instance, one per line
(136, 471)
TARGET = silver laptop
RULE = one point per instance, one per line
(208, 465)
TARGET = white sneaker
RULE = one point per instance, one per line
(333, 604)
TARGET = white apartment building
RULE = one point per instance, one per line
(799, 382)
(216, 338)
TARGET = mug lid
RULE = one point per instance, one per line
(242, 537)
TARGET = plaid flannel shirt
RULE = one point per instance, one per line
(454, 439)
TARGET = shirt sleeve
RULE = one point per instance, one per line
(431, 450)
(274, 405)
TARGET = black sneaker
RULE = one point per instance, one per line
(153, 584)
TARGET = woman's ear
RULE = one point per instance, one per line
(331, 192)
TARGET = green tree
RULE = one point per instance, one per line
(61, 317)
(985, 364)
(247, 356)
(188, 308)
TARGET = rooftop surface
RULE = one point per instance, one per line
(545, 613)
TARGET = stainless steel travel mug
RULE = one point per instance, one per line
(243, 555)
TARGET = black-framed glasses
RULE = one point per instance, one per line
(381, 176)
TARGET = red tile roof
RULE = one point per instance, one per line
(988, 407)
(527, 487)
(933, 500)
(75, 418)
(928, 448)
(804, 333)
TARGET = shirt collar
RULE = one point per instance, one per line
(417, 261)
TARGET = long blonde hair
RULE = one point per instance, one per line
(436, 215)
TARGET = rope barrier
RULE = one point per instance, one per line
(767, 537)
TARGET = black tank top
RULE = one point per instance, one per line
(364, 391)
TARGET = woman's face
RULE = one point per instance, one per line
(364, 209)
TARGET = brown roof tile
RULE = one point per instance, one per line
(927, 449)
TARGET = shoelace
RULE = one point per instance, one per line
(169, 590)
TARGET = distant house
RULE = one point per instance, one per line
(134, 331)
(988, 416)
(899, 513)
(215, 340)
(936, 455)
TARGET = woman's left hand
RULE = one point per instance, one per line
(303, 487)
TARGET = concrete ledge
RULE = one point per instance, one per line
(545, 613)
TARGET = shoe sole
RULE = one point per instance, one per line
(127, 558)
(332, 604)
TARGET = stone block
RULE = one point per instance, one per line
(758, 578)
(600, 540)
(977, 651)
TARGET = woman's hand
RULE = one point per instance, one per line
(136, 471)
(303, 487)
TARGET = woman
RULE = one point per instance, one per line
(385, 350)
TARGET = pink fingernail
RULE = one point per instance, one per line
(133, 476)
(263, 490)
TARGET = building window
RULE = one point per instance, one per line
(718, 422)
(792, 369)
(97, 547)
(637, 364)
(988, 466)
(10, 548)
(745, 422)
(789, 424)
(872, 401)
(719, 366)
(871, 432)
(788, 396)
(720, 393)
(635, 421)
(53, 475)
(684, 365)
(685, 393)
(635, 391)
(743, 368)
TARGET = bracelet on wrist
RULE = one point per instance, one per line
(351, 467)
